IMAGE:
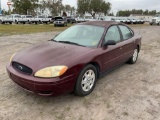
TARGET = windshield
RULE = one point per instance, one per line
(84, 35)
(28, 16)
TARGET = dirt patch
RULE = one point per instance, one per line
(131, 92)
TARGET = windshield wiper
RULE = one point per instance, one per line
(68, 42)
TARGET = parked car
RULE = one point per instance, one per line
(40, 19)
(155, 20)
(133, 20)
(126, 20)
(51, 19)
(142, 21)
(25, 19)
(60, 21)
(80, 19)
(88, 18)
(71, 20)
(74, 59)
(116, 19)
(106, 18)
(10, 19)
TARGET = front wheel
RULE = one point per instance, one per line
(134, 57)
(86, 81)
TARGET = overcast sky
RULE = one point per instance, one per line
(117, 4)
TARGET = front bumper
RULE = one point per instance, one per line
(59, 23)
(154, 23)
(41, 86)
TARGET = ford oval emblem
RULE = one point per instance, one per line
(20, 67)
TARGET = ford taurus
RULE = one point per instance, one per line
(74, 60)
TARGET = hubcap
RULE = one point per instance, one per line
(88, 80)
(135, 55)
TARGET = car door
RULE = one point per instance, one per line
(112, 53)
(128, 42)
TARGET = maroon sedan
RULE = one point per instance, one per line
(74, 59)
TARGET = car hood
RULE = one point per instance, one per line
(49, 54)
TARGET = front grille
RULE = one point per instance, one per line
(22, 68)
(154, 20)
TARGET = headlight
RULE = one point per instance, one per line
(12, 57)
(51, 72)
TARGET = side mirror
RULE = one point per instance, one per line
(110, 42)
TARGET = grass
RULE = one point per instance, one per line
(7, 29)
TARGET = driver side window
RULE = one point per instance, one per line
(113, 34)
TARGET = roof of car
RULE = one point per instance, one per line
(100, 23)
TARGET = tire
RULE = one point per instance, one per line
(40, 22)
(85, 84)
(10, 22)
(16, 21)
(134, 57)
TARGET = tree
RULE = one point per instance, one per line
(55, 6)
(83, 6)
(105, 7)
(93, 7)
(4, 12)
(24, 6)
(134, 11)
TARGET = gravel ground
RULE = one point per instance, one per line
(131, 92)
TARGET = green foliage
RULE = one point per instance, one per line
(93, 6)
(4, 12)
(134, 11)
(24, 6)
(55, 7)
(6, 30)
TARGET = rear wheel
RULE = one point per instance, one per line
(86, 81)
(39, 22)
(134, 57)
(16, 21)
